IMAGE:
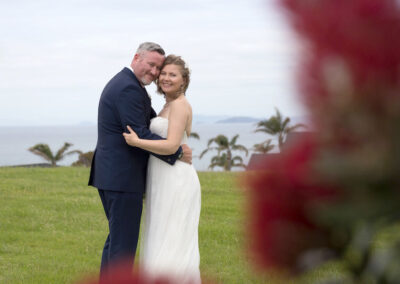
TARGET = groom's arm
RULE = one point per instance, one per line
(153, 113)
(131, 109)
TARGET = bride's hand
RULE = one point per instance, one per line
(131, 138)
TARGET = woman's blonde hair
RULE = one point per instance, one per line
(185, 72)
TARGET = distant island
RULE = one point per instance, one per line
(201, 118)
(239, 119)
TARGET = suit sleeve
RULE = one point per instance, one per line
(131, 110)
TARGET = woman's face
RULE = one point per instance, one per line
(170, 79)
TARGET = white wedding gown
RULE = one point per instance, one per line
(169, 242)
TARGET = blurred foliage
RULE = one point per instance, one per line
(328, 196)
(84, 159)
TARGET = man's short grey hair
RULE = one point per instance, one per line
(150, 46)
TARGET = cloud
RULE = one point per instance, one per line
(60, 55)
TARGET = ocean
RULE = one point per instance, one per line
(15, 141)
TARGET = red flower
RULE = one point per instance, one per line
(350, 81)
(282, 196)
(353, 51)
(350, 78)
(362, 32)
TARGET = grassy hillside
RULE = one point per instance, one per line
(53, 227)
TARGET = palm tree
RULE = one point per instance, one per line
(264, 147)
(224, 145)
(277, 125)
(222, 161)
(43, 150)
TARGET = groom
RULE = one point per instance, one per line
(118, 170)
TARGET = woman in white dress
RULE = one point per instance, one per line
(170, 235)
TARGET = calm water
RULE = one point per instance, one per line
(14, 141)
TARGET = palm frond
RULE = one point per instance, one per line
(239, 165)
(237, 158)
(210, 141)
(278, 115)
(213, 165)
(203, 153)
(240, 148)
(60, 153)
(43, 150)
(206, 150)
(215, 159)
(233, 140)
(222, 141)
(194, 135)
(79, 152)
(275, 125)
(285, 123)
(294, 127)
(264, 147)
(265, 126)
(219, 160)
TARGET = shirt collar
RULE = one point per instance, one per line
(130, 68)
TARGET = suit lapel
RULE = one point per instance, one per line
(147, 101)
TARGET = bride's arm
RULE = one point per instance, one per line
(176, 126)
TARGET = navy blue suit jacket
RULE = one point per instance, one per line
(116, 165)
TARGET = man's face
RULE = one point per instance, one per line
(147, 66)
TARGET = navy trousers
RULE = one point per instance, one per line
(123, 211)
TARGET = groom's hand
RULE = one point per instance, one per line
(187, 154)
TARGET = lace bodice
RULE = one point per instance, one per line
(159, 125)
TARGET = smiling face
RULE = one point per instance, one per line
(147, 65)
(170, 80)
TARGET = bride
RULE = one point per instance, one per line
(170, 237)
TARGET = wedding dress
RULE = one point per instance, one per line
(169, 242)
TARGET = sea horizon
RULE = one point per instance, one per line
(15, 141)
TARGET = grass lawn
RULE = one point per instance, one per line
(52, 228)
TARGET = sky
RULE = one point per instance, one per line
(57, 56)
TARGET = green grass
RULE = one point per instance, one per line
(52, 229)
(52, 226)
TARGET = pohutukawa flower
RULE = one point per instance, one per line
(282, 196)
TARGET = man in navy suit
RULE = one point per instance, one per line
(118, 170)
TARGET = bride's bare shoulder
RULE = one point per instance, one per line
(181, 104)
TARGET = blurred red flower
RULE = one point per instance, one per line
(350, 82)
(362, 32)
(283, 193)
(351, 54)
